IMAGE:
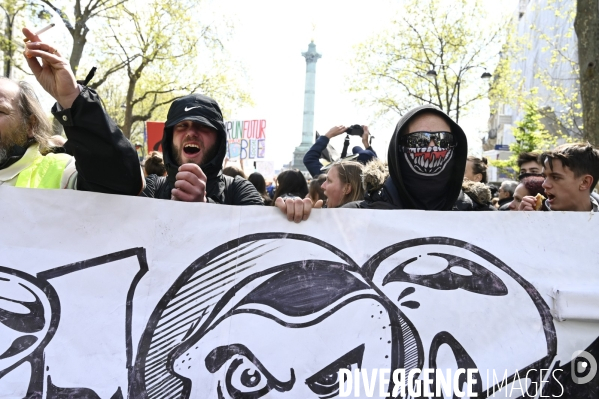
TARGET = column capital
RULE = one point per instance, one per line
(311, 55)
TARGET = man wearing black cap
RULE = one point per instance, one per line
(194, 147)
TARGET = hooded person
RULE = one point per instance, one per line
(426, 161)
(194, 146)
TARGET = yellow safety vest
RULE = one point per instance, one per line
(44, 171)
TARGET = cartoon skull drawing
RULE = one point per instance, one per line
(509, 327)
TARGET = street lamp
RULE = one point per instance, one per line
(485, 76)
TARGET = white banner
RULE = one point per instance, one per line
(116, 297)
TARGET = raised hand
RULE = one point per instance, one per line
(336, 131)
(190, 185)
(366, 137)
(53, 73)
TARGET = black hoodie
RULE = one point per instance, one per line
(220, 189)
(398, 194)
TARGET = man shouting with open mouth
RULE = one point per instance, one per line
(194, 145)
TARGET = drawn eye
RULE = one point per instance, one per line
(246, 377)
(245, 380)
(325, 383)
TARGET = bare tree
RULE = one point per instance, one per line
(157, 61)
(431, 54)
(12, 9)
(83, 13)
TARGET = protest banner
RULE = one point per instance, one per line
(210, 301)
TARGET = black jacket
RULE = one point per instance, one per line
(505, 203)
(106, 161)
(394, 195)
(220, 189)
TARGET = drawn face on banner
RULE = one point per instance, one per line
(438, 278)
(297, 346)
(287, 328)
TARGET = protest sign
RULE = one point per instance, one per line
(245, 139)
(266, 169)
(154, 132)
(209, 301)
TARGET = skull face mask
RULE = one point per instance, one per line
(426, 173)
(427, 161)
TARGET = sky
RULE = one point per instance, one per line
(268, 37)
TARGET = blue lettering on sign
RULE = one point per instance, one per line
(243, 152)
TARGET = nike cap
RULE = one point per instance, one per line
(198, 108)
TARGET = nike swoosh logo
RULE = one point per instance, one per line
(190, 108)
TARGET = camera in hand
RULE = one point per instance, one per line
(355, 130)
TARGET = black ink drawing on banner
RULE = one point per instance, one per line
(282, 313)
(191, 350)
(564, 386)
(29, 315)
(54, 317)
(466, 277)
(264, 283)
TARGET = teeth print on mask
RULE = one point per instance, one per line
(429, 161)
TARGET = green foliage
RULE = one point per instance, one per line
(453, 38)
(147, 54)
(530, 135)
(155, 52)
(554, 86)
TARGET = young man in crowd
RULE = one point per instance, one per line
(528, 164)
(194, 141)
(25, 135)
(506, 194)
(571, 172)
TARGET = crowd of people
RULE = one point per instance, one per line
(427, 168)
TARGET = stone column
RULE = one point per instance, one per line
(308, 132)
